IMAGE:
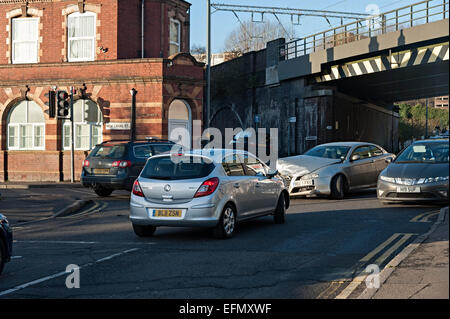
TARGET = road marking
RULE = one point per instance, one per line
(63, 273)
(92, 210)
(424, 217)
(69, 242)
(388, 252)
(330, 290)
(344, 294)
(379, 248)
(16, 257)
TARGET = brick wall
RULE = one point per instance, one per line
(118, 27)
(107, 80)
(108, 84)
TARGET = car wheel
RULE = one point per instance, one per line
(144, 231)
(2, 255)
(102, 191)
(279, 216)
(338, 187)
(227, 223)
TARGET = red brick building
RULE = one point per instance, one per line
(103, 49)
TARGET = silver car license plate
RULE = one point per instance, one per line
(408, 189)
(304, 183)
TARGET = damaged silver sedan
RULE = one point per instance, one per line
(334, 169)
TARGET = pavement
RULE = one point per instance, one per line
(421, 270)
(30, 185)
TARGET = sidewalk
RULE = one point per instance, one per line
(423, 273)
(29, 185)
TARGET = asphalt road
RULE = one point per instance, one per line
(320, 250)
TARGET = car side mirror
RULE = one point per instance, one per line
(355, 157)
(388, 160)
(272, 173)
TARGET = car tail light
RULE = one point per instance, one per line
(85, 163)
(121, 164)
(208, 187)
(137, 190)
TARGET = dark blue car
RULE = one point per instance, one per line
(5, 242)
(115, 164)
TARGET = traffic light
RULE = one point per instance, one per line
(51, 96)
(62, 103)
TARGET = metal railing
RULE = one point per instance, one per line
(416, 14)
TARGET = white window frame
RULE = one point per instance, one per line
(33, 59)
(178, 44)
(93, 38)
(67, 127)
(18, 137)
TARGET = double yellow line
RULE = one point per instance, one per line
(424, 217)
(399, 239)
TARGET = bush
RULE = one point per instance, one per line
(413, 118)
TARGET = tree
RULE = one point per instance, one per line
(198, 49)
(253, 36)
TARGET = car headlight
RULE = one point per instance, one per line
(310, 176)
(432, 180)
(387, 179)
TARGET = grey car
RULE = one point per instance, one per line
(333, 169)
(209, 188)
(419, 173)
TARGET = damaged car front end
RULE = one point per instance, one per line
(333, 169)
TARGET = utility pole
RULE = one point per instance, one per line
(72, 139)
(426, 117)
(208, 59)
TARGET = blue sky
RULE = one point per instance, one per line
(225, 22)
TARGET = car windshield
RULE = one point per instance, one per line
(177, 167)
(108, 151)
(328, 151)
(424, 153)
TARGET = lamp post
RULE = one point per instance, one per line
(426, 117)
(208, 59)
(133, 93)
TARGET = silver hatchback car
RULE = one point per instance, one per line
(205, 188)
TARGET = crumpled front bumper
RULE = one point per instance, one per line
(321, 186)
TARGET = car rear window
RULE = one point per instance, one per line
(147, 150)
(177, 168)
(108, 151)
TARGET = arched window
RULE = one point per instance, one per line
(26, 127)
(81, 36)
(88, 125)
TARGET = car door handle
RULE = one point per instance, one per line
(236, 185)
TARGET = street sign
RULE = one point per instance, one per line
(257, 119)
(118, 126)
(292, 119)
